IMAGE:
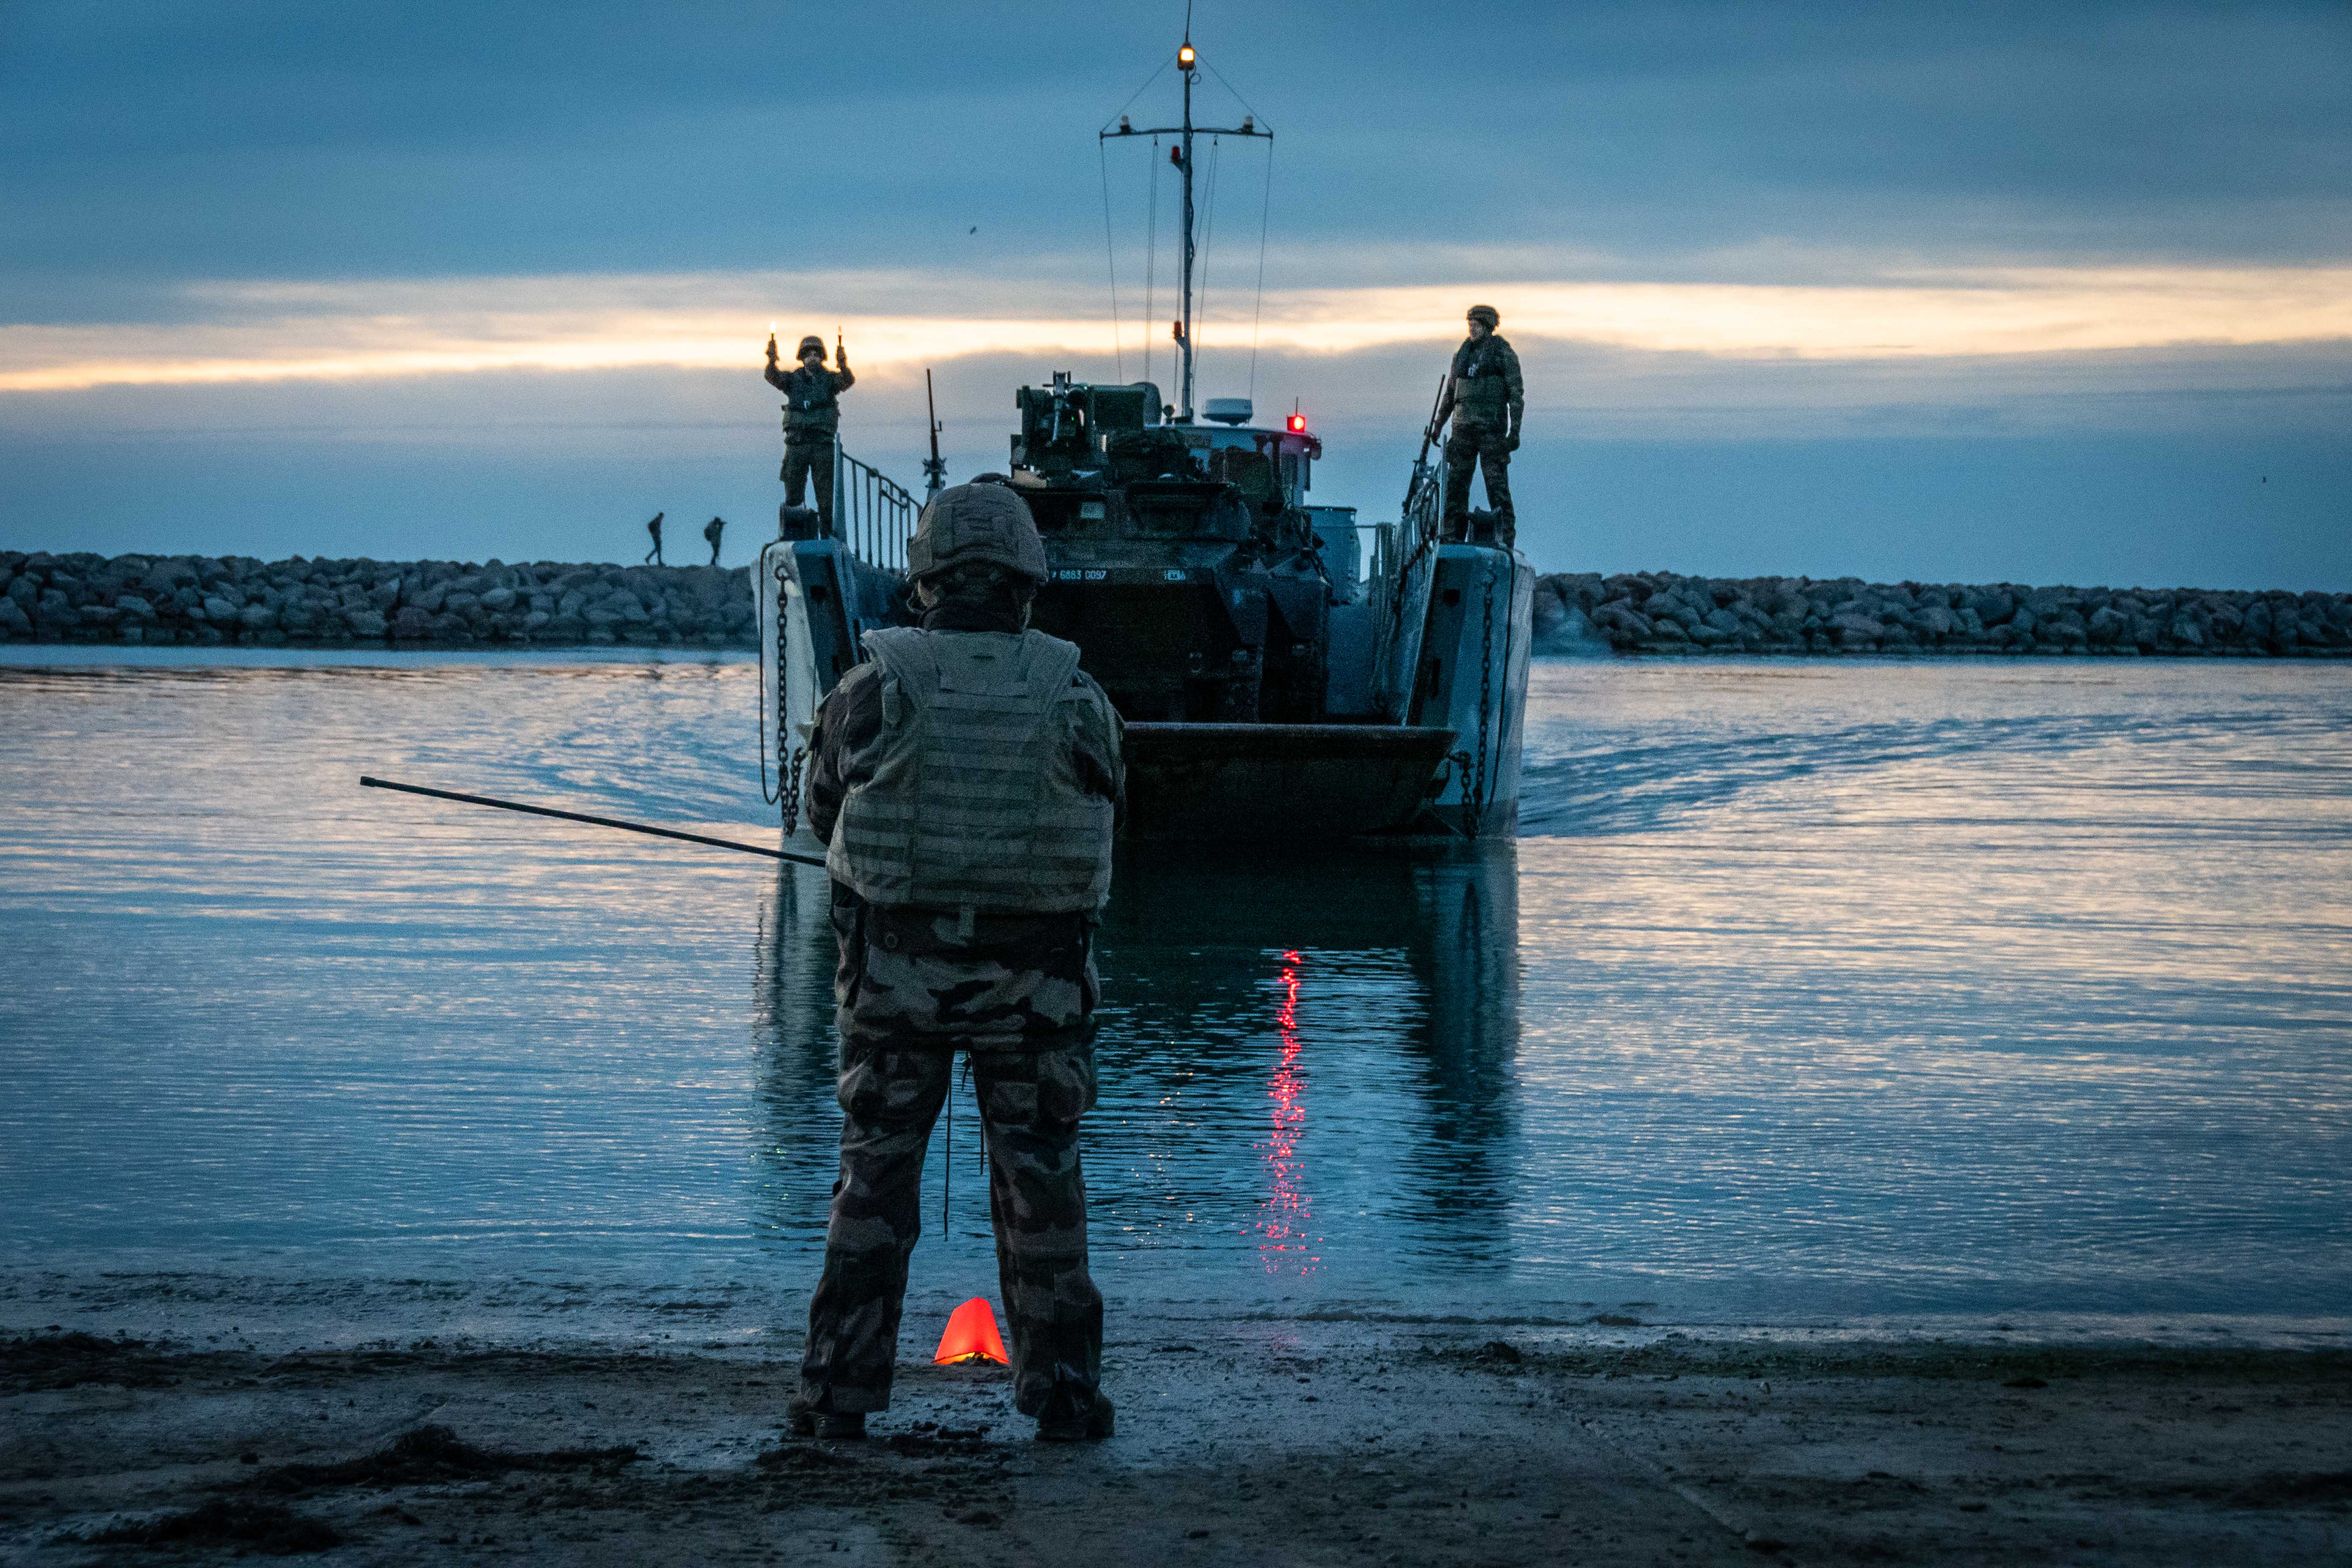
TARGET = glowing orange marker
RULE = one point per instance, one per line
(971, 1336)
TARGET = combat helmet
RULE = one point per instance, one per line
(811, 341)
(976, 523)
(1486, 313)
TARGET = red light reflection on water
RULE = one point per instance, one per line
(1284, 1240)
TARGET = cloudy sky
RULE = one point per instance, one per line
(2043, 293)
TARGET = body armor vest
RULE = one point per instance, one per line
(812, 405)
(1481, 396)
(974, 802)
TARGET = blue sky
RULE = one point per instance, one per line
(1995, 291)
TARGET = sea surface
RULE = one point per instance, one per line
(1811, 993)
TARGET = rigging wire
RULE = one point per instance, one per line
(1265, 211)
(1245, 102)
(1208, 240)
(1140, 91)
(1150, 259)
(1110, 256)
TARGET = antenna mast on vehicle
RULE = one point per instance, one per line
(1187, 64)
(934, 469)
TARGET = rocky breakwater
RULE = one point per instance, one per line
(1658, 612)
(423, 603)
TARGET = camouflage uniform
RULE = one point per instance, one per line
(812, 425)
(1017, 993)
(1486, 400)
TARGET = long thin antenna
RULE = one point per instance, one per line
(1265, 211)
(1110, 256)
(935, 467)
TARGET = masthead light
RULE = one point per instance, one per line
(1184, 57)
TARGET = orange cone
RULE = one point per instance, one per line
(971, 1336)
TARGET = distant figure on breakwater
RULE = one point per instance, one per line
(710, 531)
(653, 556)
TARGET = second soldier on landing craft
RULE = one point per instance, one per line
(968, 779)
(811, 421)
(1486, 400)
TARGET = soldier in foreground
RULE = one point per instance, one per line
(968, 780)
(1486, 400)
(811, 421)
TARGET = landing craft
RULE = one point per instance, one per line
(1286, 673)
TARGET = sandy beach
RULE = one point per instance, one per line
(1239, 1442)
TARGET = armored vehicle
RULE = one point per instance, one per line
(1285, 673)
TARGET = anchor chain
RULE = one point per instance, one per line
(791, 792)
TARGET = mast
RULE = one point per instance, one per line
(1188, 63)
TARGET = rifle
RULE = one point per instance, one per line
(936, 469)
(1428, 440)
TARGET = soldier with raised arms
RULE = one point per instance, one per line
(811, 421)
(967, 780)
(1486, 400)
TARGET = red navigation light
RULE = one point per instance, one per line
(1297, 424)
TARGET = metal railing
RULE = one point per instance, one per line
(1413, 535)
(872, 513)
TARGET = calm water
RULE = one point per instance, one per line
(1811, 990)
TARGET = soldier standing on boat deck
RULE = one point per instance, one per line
(1486, 400)
(968, 780)
(812, 422)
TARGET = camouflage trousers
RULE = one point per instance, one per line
(803, 461)
(1487, 451)
(911, 1000)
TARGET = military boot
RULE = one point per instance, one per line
(803, 1419)
(1060, 1421)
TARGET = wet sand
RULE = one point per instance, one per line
(1239, 1442)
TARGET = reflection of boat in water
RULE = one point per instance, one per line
(1285, 1047)
(1281, 683)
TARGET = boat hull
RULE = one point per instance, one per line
(1278, 782)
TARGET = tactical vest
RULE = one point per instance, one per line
(1481, 394)
(812, 403)
(975, 803)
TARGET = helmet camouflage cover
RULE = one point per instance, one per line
(807, 344)
(976, 523)
(1486, 313)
